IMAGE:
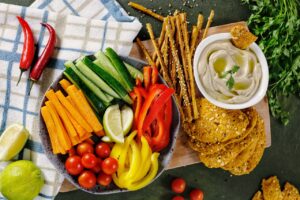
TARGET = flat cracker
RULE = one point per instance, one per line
(258, 196)
(231, 151)
(217, 124)
(241, 37)
(271, 189)
(254, 159)
(211, 148)
(290, 192)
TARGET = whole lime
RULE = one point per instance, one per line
(21, 180)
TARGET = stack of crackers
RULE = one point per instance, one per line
(233, 140)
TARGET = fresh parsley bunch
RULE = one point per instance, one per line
(277, 24)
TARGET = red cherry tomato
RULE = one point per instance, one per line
(109, 165)
(104, 179)
(84, 147)
(97, 168)
(196, 194)
(73, 165)
(178, 185)
(72, 152)
(89, 160)
(177, 198)
(87, 179)
(102, 150)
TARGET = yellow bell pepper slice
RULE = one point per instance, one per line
(150, 176)
(146, 153)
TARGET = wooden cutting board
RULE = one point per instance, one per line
(183, 155)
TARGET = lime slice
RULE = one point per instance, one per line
(12, 141)
(106, 139)
(112, 123)
(127, 119)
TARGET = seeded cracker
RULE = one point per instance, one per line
(290, 192)
(231, 151)
(241, 37)
(253, 161)
(258, 196)
(271, 189)
(211, 148)
(217, 124)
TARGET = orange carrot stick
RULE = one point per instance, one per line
(62, 135)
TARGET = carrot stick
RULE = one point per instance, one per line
(62, 135)
(61, 112)
(84, 108)
(73, 112)
(51, 129)
(85, 137)
(71, 101)
(80, 131)
(64, 84)
(75, 140)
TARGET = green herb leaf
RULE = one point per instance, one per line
(230, 83)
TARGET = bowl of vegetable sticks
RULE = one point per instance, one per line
(58, 160)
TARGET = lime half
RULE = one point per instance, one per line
(12, 141)
(127, 119)
(112, 124)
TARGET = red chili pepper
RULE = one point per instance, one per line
(147, 76)
(157, 106)
(28, 47)
(154, 75)
(38, 68)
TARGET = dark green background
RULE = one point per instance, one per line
(281, 159)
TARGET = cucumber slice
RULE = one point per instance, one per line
(96, 79)
(121, 69)
(110, 80)
(134, 72)
(106, 99)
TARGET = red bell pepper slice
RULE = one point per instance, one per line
(143, 92)
(154, 91)
(157, 106)
(154, 75)
(161, 139)
(138, 82)
(147, 76)
(137, 106)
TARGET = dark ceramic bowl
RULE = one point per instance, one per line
(59, 160)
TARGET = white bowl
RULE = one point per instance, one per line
(262, 89)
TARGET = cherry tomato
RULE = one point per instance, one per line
(89, 160)
(196, 194)
(177, 198)
(109, 165)
(104, 179)
(84, 147)
(97, 168)
(178, 185)
(72, 152)
(73, 165)
(87, 179)
(102, 150)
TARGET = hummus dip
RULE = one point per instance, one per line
(216, 60)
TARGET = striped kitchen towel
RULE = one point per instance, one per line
(76, 35)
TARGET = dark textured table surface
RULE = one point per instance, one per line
(281, 159)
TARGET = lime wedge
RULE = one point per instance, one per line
(12, 141)
(127, 119)
(106, 139)
(112, 124)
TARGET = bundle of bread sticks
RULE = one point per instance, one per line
(173, 55)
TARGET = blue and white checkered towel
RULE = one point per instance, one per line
(82, 27)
